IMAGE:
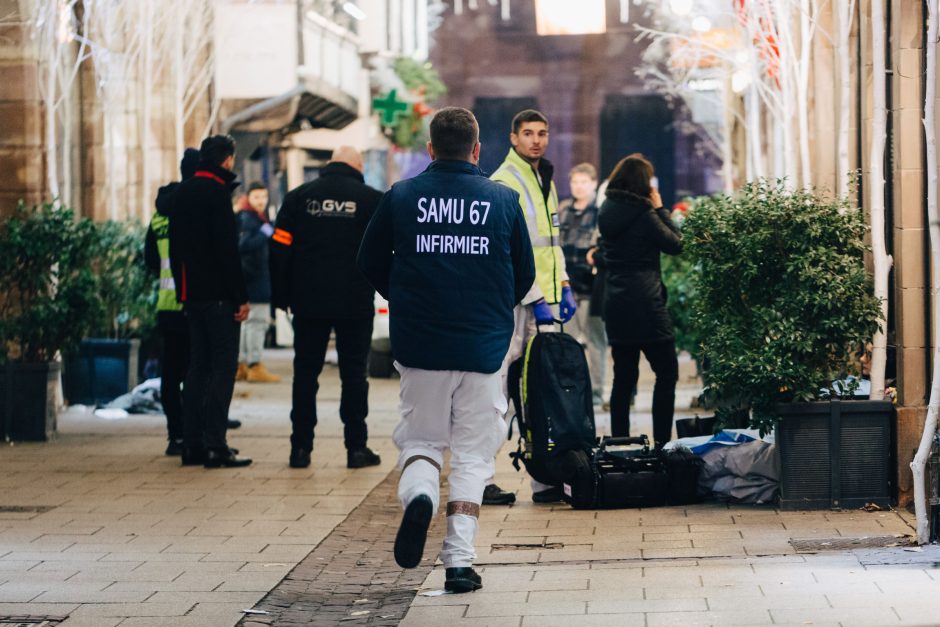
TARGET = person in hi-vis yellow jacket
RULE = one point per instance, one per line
(527, 171)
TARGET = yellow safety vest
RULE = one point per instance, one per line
(166, 295)
(542, 219)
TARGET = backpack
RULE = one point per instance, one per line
(551, 391)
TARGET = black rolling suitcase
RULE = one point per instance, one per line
(551, 390)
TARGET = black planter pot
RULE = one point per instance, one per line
(27, 400)
(101, 371)
(835, 454)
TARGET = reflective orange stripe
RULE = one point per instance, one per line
(282, 237)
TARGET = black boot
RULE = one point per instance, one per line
(299, 458)
(409, 543)
(362, 457)
(174, 448)
(495, 495)
(225, 458)
(462, 580)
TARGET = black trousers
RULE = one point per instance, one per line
(210, 380)
(353, 339)
(662, 358)
(175, 332)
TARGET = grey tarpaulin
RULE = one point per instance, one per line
(745, 473)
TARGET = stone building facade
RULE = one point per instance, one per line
(110, 160)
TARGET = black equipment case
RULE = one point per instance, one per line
(634, 477)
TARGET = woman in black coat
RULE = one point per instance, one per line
(635, 229)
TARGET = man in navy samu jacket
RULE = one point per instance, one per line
(450, 251)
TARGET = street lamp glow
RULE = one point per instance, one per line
(740, 81)
(702, 24)
(681, 7)
(563, 17)
(354, 11)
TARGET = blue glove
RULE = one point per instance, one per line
(267, 229)
(543, 313)
(568, 305)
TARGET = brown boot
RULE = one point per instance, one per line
(242, 373)
(259, 374)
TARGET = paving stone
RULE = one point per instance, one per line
(554, 608)
(175, 608)
(683, 619)
(438, 615)
(627, 606)
(740, 593)
(783, 599)
(865, 616)
(91, 621)
(478, 596)
(595, 620)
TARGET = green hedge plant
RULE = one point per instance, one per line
(126, 289)
(782, 299)
(48, 287)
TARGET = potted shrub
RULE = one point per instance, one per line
(783, 303)
(105, 364)
(678, 273)
(48, 301)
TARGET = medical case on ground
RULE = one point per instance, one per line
(639, 476)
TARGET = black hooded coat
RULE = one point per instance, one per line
(633, 235)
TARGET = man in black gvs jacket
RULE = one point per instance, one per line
(314, 275)
(208, 276)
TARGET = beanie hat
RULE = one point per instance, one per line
(189, 163)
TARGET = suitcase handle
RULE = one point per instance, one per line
(641, 440)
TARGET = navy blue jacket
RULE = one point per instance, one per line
(450, 251)
(253, 248)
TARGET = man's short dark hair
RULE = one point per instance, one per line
(454, 133)
(255, 186)
(216, 149)
(529, 115)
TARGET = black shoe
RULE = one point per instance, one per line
(299, 458)
(174, 448)
(194, 456)
(362, 457)
(551, 495)
(462, 580)
(225, 458)
(234, 424)
(495, 495)
(409, 543)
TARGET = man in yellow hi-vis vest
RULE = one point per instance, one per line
(528, 172)
(170, 317)
(171, 320)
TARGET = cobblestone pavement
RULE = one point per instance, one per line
(99, 528)
(123, 535)
(351, 577)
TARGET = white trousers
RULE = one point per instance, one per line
(251, 344)
(523, 330)
(460, 411)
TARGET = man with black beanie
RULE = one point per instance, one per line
(208, 278)
(170, 317)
